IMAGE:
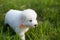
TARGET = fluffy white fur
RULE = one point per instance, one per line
(16, 17)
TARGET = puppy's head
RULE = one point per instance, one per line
(29, 18)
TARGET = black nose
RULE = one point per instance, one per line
(35, 25)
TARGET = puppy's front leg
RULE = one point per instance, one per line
(22, 36)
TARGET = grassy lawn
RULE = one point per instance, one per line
(48, 19)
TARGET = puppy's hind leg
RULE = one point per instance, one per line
(5, 27)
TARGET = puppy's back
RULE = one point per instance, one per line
(12, 17)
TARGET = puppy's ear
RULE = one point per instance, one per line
(23, 18)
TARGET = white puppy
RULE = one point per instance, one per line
(21, 21)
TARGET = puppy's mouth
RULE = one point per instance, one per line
(33, 26)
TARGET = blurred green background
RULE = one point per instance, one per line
(48, 19)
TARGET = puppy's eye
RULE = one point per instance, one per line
(30, 20)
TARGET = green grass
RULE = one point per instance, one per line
(48, 12)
